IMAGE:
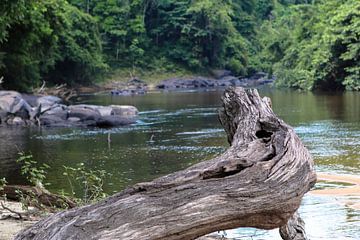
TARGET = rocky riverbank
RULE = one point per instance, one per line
(218, 79)
(221, 81)
(29, 110)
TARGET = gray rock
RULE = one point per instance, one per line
(3, 116)
(74, 119)
(222, 79)
(84, 112)
(47, 102)
(10, 101)
(52, 120)
(58, 110)
(88, 123)
(13, 103)
(14, 110)
(123, 110)
(18, 121)
(133, 87)
(30, 99)
(103, 110)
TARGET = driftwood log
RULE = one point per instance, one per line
(258, 182)
(37, 197)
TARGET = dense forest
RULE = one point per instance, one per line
(306, 44)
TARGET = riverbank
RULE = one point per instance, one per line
(18, 109)
(126, 82)
(10, 224)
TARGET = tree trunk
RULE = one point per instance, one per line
(258, 182)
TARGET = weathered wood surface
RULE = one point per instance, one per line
(294, 229)
(258, 182)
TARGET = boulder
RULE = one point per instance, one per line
(58, 110)
(8, 99)
(30, 99)
(17, 121)
(46, 102)
(74, 119)
(103, 110)
(12, 103)
(123, 110)
(14, 110)
(84, 112)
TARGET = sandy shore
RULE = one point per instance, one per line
(353, 190)
(9, 226)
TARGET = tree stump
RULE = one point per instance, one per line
(258, 182)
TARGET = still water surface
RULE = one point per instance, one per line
(185, 131)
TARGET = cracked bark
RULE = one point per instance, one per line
(258, 182)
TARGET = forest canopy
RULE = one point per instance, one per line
(305, 44)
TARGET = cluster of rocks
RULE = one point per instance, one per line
(219, 81)
(133, 87)
(18, 109)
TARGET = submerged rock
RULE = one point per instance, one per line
(48, 111)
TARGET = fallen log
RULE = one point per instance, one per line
(37, 197)
(258, 182)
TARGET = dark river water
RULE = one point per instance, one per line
(184, 130)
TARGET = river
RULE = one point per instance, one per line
(178, 129)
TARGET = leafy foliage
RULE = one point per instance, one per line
(49, 40)
(307, 44)
(315, 46)
(34, 173)
(91, 182)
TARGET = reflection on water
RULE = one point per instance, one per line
(176, 130)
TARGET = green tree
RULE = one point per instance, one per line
(314, 46)
(45, 35)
